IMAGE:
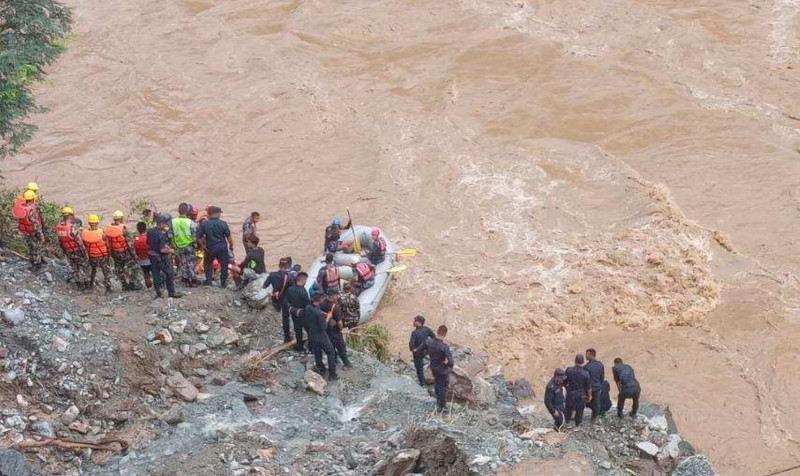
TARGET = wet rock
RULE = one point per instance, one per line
(648, 448)
(13, 316)
(315, 382)
(174, 415)
(182, 387)
(695, 466)
(164, 336)
(70, 415)
(12, 463)
(658, 423)
(521, 389)
(672, 449)
(177, 327)
(44, 429)
(480, 460)
(402, 463)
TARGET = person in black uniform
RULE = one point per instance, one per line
(297, 299)
(441, 365)
(279, 280)
(627, 385)
(317, 322)
(554, 399)
(416, 344)
(215, 237)
(333, 308)
(597, 373)
(158, 242)
(579, 390)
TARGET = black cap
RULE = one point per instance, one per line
(332, 292)
(316, 296)
(560, 373)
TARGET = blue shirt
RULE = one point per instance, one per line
(156, 241)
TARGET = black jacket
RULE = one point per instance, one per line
(254, 259)
(315, 319)
(298, 299)
(578, 381)
(418, 337)
(626, 378)
(439, 352)
(336, 317)
(598, 373)
(280, 283)
(554, 396)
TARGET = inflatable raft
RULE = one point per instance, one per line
(369, 299)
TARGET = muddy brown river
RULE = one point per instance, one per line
(619, 174)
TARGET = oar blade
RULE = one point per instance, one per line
(407, 253)
(397, 269)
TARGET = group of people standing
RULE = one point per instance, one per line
(585, 385)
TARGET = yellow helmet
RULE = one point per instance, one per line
(32, 186)
(29, 195)
(67, 211)
(93, 219)
(119, 214)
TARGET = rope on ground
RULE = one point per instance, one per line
(784, 470)
(13, 253)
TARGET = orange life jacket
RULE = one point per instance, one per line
(22, 214)
(116, 237)
(95, 243)
(332, 276)
(365, 271)
(68, 242)
(141, 247)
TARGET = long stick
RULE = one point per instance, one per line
(73, 445)
(356, 242)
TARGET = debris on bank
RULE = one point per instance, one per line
(129, 385)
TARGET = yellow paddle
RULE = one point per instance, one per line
(406, 253)
(356, 241)
(396, 269)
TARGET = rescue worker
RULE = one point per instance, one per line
(441, 365)
(143, 253)
(122, 251)
(96, 245)
(351, 307)
(148, 218)
(627, 386)
(365, 275)
(184, 232)
(249, 226)
(377, 253)
(297, 299)
(328, 276)
(215, 238)
(333, 310)
(31, 227)
(317, 322)
(159, 250)
(69, 237)
(333, 235)
(279, 280)
(554, 398)
(597, 373)
(416, 344)
(253, 263)
(579, 390)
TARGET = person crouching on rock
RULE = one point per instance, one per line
(441, 365)
(317, 322)
(416, 344)
(554, 399)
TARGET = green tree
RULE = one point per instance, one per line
(32, 36)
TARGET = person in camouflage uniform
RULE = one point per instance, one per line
(351, 313)
(184, 238)
(69, 237)
(31, 226)
(96, 244)
(126, 265)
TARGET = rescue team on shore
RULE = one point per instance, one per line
(205, 247)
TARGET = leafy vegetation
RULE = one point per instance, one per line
(32, 34)
(372, 339)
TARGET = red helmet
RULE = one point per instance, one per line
(376, 231)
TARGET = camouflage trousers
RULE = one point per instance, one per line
(101, 263)
(35, 250)
(127, 270)
(188, 260)
(80, 268)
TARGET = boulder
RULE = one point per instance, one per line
(60, 344)
(70, 415)
(13, 316)
(174, 415)
(229, 335)
(177, 327)
(648, 448)
(521, 389)
(672, 449)
(182, 387)
(402, 463)
(315, 382)
(658, 423)
(697, 465)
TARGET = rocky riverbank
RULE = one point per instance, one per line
(123, 384)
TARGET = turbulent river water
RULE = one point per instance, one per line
(619, 174)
